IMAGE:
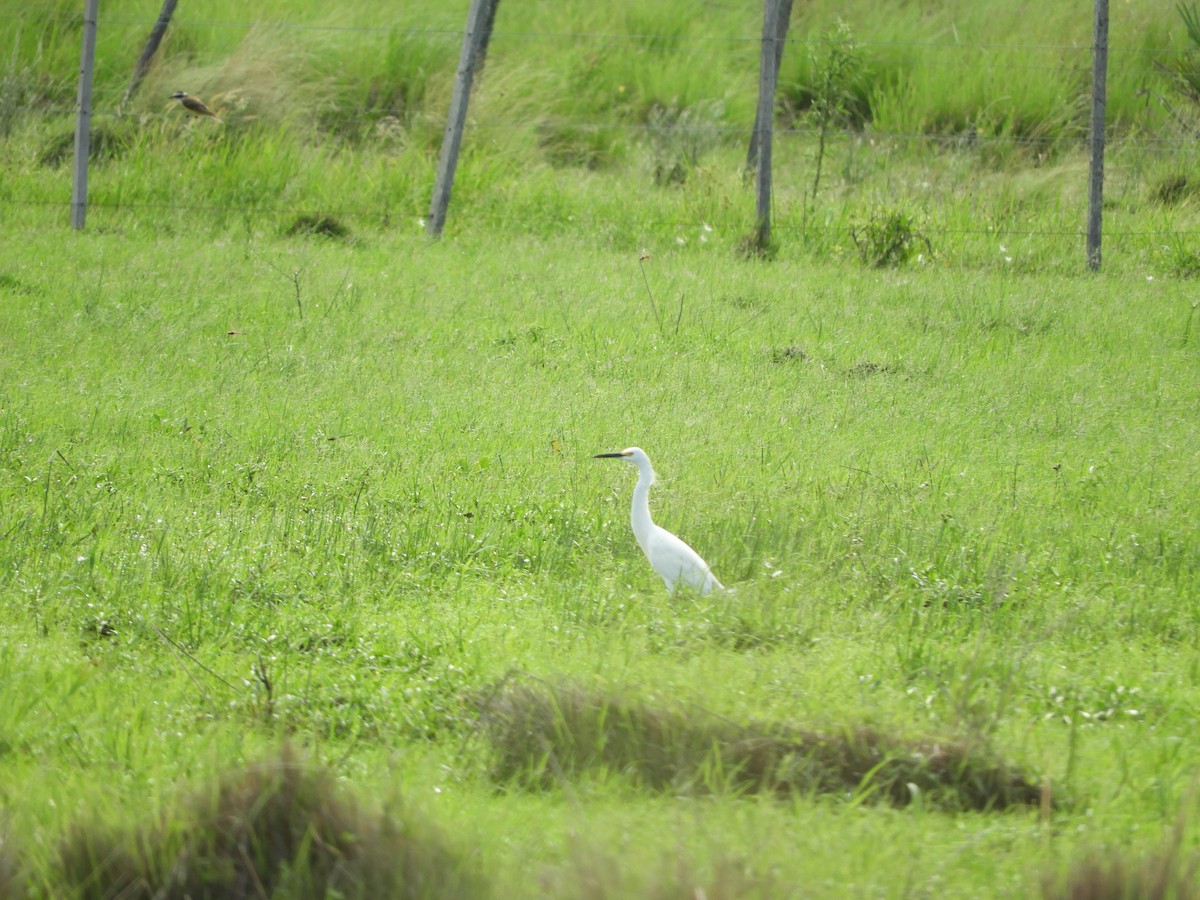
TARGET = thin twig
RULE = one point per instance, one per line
(177, 649)
(653, 306)
(294, 278)
(264, 678)
(746, 322)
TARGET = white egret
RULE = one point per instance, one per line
(671, 558)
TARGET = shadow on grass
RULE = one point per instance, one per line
(542, 735)
(278, 828)
(317, 225)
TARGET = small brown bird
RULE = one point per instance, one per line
(193, 105)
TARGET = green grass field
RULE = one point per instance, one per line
(310, 586)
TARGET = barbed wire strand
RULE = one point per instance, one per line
(970, 135)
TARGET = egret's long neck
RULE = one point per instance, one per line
(639, 513)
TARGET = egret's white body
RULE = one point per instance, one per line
(672, 559)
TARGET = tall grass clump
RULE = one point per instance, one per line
(43, 42)
(544, 735)
(390, 89)
(276, 828)
(272, 77)
(944, 74)
(1181, 96)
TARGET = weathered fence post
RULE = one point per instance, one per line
(83, 117)
(764, 122)
(480, 19)
(783, 18)
(143, 63)
(1096, 179)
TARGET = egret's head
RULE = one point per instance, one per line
(635, 455)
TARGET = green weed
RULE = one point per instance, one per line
(889, 238)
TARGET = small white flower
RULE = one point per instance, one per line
(420, 223)
(680, 240)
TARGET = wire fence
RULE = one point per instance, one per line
(415, 215)
(1068, 60)
(1165, 147)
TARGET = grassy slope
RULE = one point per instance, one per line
(974, 478)
(345, 501)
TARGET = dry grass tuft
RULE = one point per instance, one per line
(11, 880)
(278, 828)
(592, 874)
(1173, 873)
(265, 80)
(543, 735)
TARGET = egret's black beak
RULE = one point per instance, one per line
(609, 456)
